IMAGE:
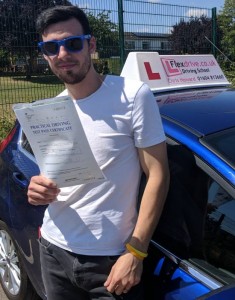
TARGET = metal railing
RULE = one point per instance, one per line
(120, 26)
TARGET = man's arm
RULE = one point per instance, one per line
(155, 166)
(128, 269)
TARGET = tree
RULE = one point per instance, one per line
(4, 60)
(18, 36)
(17, 27)
(227, 24)
(106, 34)
(190, 37)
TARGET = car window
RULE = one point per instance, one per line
(219, 231)
(198, 219)
(222, 143)
(25, 144)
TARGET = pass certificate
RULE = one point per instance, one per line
(56, 136)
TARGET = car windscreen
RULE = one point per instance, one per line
(223, 144)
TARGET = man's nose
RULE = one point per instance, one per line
(62, 51)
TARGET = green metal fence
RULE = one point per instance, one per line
(120, 26)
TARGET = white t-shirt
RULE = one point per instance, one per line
(98, 218)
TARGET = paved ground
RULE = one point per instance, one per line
(2, 295)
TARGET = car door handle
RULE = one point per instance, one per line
(20, 179)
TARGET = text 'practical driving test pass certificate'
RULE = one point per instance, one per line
(56, 136)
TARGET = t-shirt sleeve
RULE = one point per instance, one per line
(147, 123)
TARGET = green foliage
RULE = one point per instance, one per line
(108, 66)
(189, 37)
(231, 76)
(114, 65)
(4, 59)
(101, 66)
(227, 23)
(106, 33)
(17, 28)
(6, 125)
(17, 23)
(19, 40)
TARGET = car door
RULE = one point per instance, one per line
(192, 251)
(25, 219)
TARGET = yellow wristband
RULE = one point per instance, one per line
(138, 254)
(135, 254)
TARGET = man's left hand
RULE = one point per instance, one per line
(125, 274)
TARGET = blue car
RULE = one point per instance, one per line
(192, 252)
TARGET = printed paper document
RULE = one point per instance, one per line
(55, 133)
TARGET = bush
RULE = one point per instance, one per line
(101, 66)
(6, 125)
(108, 65)
(231, 77)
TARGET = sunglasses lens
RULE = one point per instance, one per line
(50, 48)
(74, 44)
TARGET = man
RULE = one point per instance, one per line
(93, 242)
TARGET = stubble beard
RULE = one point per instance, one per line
(72, 77)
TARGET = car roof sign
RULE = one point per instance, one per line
(167, 72)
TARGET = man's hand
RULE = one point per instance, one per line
(125, 273)
(42, 191)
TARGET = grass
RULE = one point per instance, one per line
(18, 89)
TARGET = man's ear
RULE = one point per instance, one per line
(92, 45)
(46, 57)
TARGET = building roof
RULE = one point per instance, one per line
(146, 35)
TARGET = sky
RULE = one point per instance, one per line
(198, 3)
(195, 3)
(144, 16)
(112, 4)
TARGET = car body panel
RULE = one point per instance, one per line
(22, 218)
(222, 293)
(187, 118)
(205, 115)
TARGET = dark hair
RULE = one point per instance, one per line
(61, 13)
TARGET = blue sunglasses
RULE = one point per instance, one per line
(71, 44)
